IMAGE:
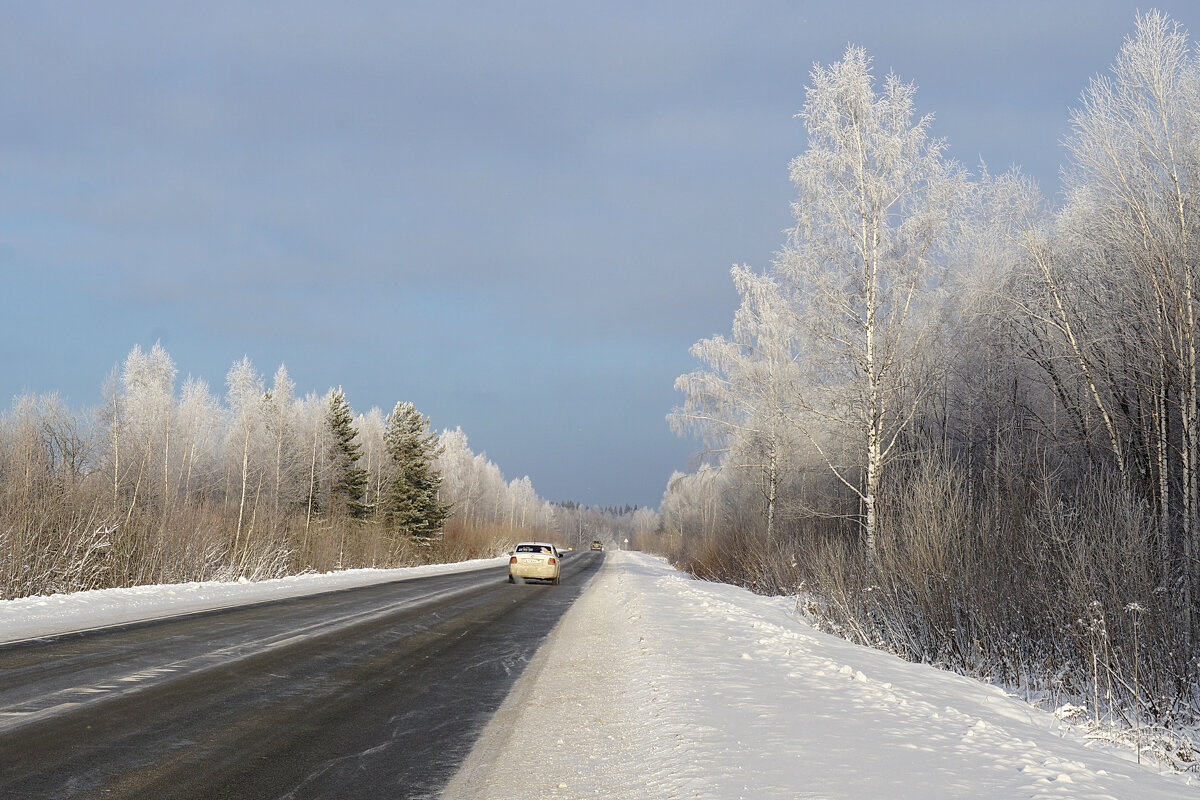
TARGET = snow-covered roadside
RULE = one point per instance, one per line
(60, 613)
(655, 685)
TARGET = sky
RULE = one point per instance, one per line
(518, 216)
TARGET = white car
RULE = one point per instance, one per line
(534, 560)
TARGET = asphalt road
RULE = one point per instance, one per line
(376, 692)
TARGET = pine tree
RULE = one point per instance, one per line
(349, 482)
(410, 499)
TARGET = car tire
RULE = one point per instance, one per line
(556, 581)
(510, 579)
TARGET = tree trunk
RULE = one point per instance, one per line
(772, 489)
(312, 490)
(237, 537)
(166, 509)
(138, 483)
(116, 477)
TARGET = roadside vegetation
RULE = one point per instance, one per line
(961, 423)
(165, 483)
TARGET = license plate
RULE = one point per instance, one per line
(531, 561)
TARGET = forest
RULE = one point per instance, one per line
(961, 422)
(164, 484)
(956, 418)
(168, 482)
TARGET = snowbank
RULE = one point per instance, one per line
(60, 613)
(655, 685)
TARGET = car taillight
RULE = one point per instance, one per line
(512, 560)
(552, 561)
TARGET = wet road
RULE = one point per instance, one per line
(376, 692)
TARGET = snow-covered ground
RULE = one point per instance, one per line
(61, 613)
(655, 685)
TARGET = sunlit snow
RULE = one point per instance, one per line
(655, 685)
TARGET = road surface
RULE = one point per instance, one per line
(376, 692)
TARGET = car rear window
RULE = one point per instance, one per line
(532, 548)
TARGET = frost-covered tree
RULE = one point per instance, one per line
(523, 502)
(315, 443)
(279, 418)
(646, 523)
(471, 485)
(492, 490)
(741, 404)
(459, 486)
(875, 210)
(143, 438)
(690, 509)
(201, 424)
(371, 427)
(410, 499)
(246, 403)
(151, 486)
(1132, 236)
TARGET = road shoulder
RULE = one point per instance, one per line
(578, 722)
(655, 685)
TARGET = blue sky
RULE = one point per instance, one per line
(518, 216)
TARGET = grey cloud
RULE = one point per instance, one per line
(480, 196)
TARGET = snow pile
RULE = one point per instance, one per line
(655, 685)
(62, 613)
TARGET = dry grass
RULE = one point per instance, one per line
(1037, 589)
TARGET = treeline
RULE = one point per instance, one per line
(964, 424)
(164, 484)
(580, 525)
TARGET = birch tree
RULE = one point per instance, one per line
(1065, 321)
(315, 441)
(201, 423)
(523, 502)
(246, 396)
(371, 428)
(279, 410)
(147, 407)
(740, 404)
(1132, 197)
(874, 211)
(459, 485)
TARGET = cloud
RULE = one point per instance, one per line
(474, 195)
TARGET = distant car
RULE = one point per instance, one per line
(535, 560)
(597, 544)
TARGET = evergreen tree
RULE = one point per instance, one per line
(349, 482)
(410, 498)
